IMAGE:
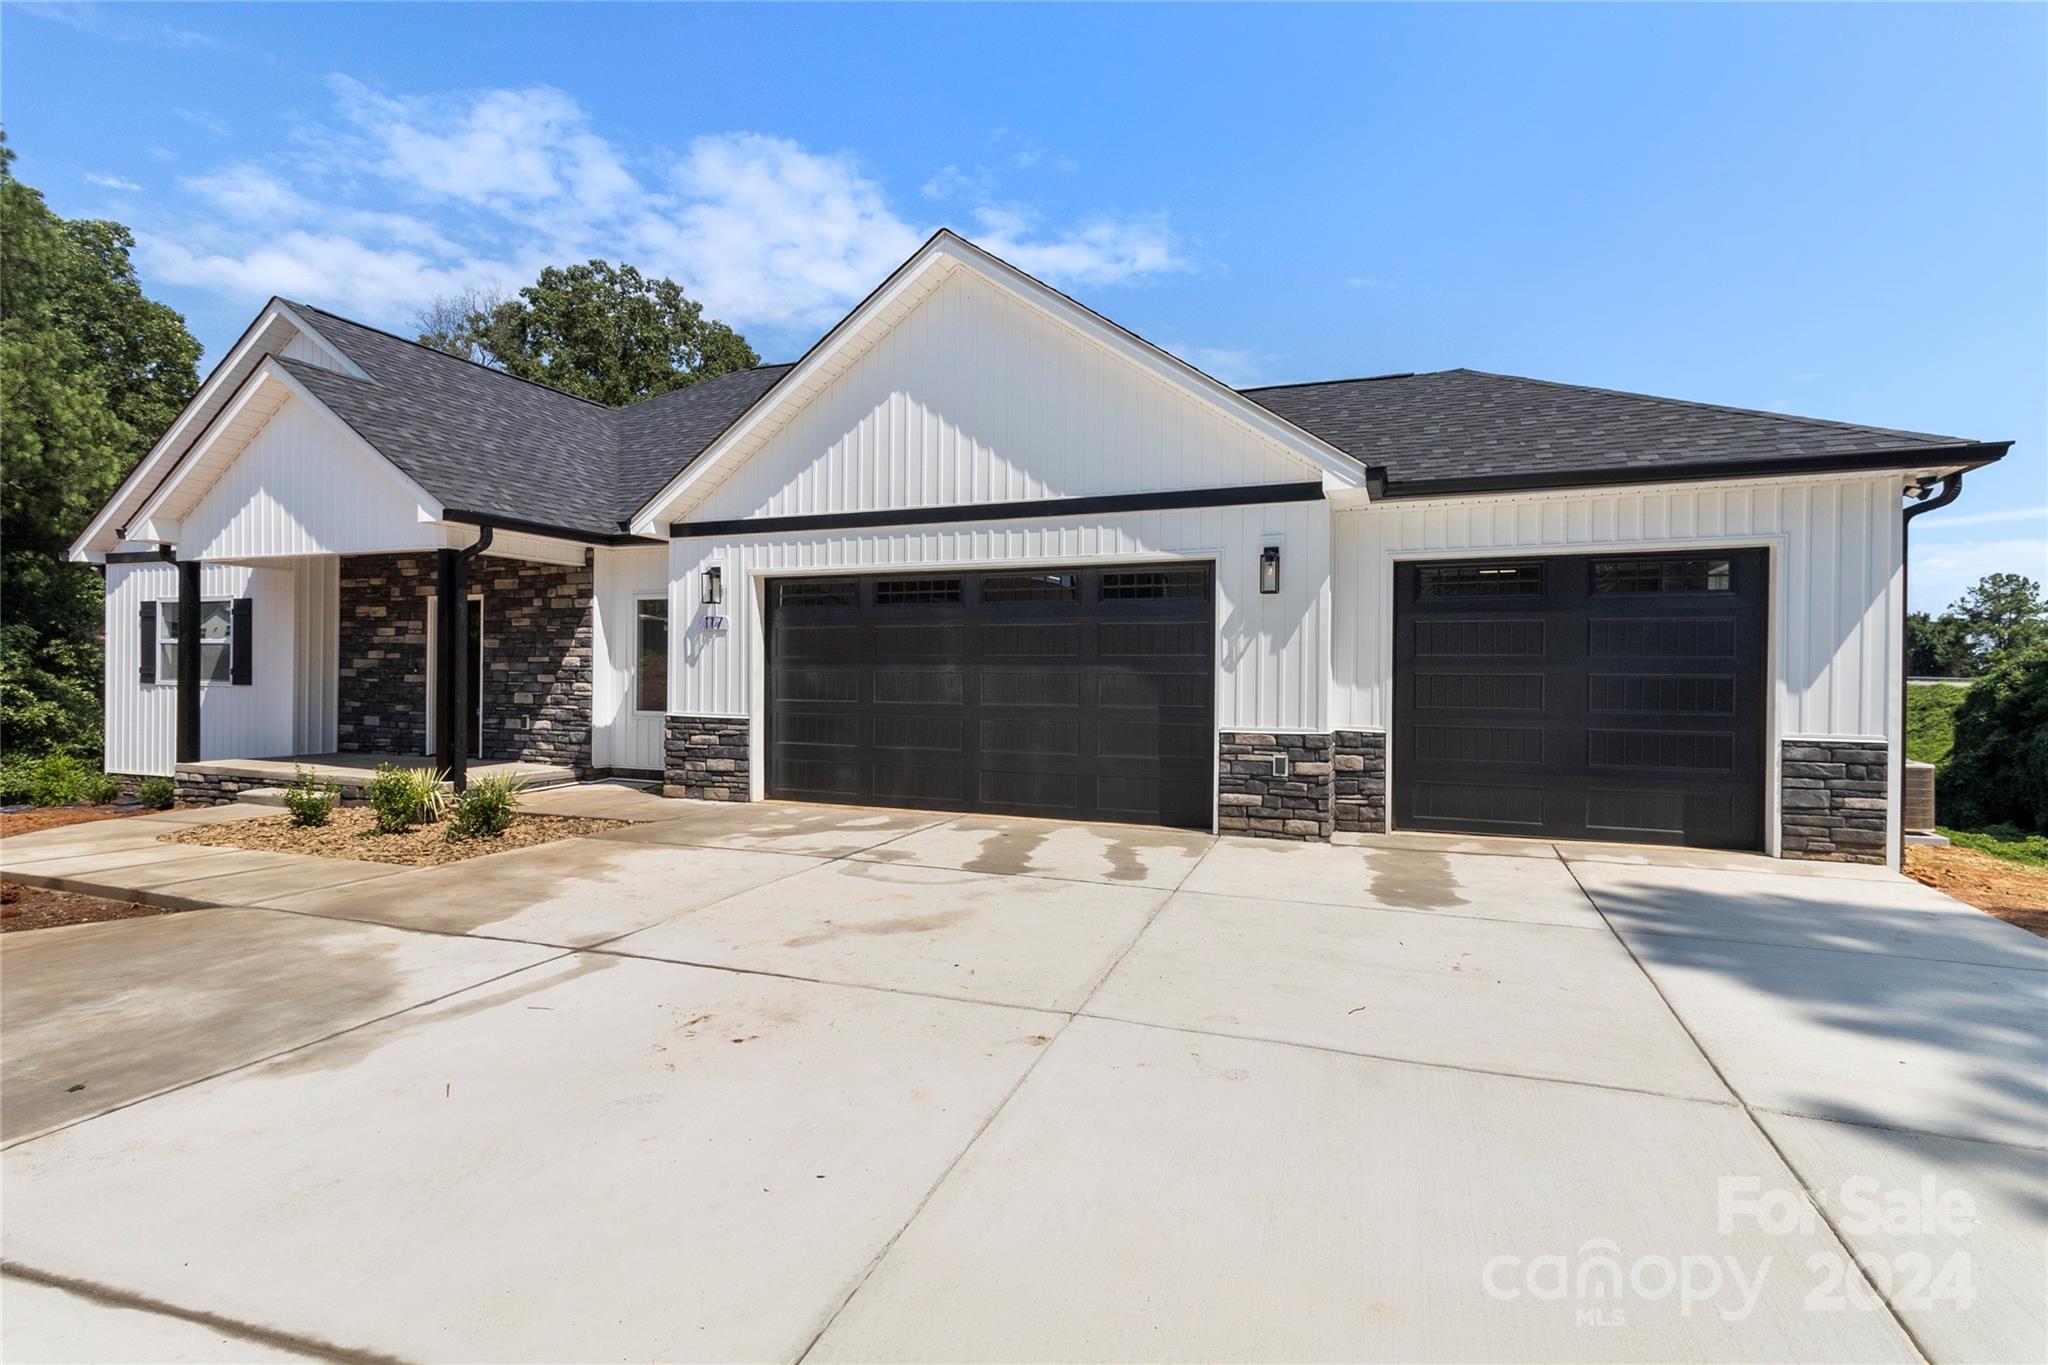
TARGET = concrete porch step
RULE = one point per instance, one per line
(260, 796)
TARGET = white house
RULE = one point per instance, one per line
(982, 549)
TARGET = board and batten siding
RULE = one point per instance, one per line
(1834, 565)
(974, 396)
(234, 722)
(1273, 659)
(621, 735)
(300, 488)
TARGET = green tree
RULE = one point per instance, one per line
(1938, 647)
(91, 373)
(600, 331)
(1997, 773)
(2002, 614)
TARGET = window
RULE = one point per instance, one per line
(1154, 583)
(1030, 587)
(815, 592)
(897, 592)
(1662, 575)
(216, 640)
(650, 641)
(1482, 580)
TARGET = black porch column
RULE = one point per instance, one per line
(451, 666)
(188, 661)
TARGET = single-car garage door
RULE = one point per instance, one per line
(1074, 693)
(1601, 697)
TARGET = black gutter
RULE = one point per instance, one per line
(1247, 496)
(1972, 455)
(539, 528)
(1951, 489)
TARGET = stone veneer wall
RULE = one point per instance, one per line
(536, 657)
(1251, 800)
(1832, 795)
(1360, 787)
(707, 758)
(222, 789)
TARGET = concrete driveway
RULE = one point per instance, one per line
(783, 1082)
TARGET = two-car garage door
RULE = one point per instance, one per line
(1604, 697)
(1074, 693)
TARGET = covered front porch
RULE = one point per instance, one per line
(473, 660)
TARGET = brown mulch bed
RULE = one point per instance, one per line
(33, 907)
(2014, 892)
(56, 817)
(351, 832)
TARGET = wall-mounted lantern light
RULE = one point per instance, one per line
(714, 586)
(1269, 569)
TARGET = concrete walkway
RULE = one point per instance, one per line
(785, 1082)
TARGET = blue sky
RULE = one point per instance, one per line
(1834, 211)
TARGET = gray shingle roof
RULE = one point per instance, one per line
(1501, 431)
(484, 442)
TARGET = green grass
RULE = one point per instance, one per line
(1931, 720)
(2003, 841)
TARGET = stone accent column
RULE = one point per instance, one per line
(1253, 800)
(1360, 760)
(707, 758)
(537, 651)
(1832, 796)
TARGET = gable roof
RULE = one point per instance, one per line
(1467, 430)
(909, 284)
(486, 442)
(488, 445)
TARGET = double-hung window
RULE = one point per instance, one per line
(650, 645)
(216, 640)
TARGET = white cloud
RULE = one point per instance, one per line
(1105, 251)
(1941, 522)
(111, 182)
(1238, 369)
(1364, 282)
(403, 196)
(212, 123)
(1942, 573)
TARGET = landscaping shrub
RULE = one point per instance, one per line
(308, 799)
(404, 797)
(99, 788)
(1997, 773)
(485, 808)
(157, 793)
(59, 780)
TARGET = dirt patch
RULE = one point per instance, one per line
(33, 907)
(56, 817)
(2014, 892)
(351, 832)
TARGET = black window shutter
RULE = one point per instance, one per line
(243, 648)
(148, 614)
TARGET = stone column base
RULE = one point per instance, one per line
(707, 758)
(1253, 799)
(1360, 794)
(1832, 797)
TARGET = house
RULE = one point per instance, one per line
(981, 549)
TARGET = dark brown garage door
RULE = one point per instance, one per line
(1611, 697)
(1081, 694)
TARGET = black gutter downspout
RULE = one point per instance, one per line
(451, 664)
(188, 661)
(1951, 489)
